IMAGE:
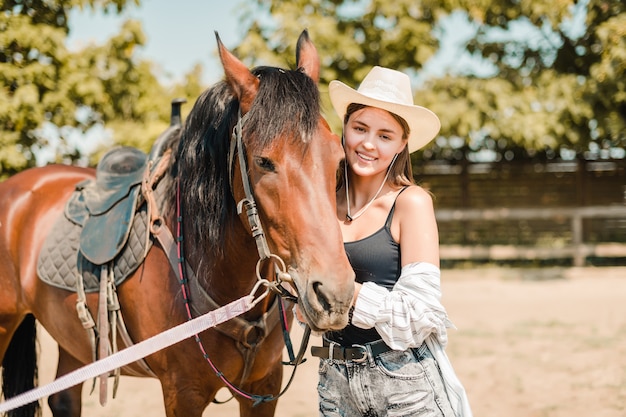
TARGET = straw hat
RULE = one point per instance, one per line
(389, 90)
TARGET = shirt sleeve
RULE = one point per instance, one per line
(409, 313)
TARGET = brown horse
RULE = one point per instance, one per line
(291, 157)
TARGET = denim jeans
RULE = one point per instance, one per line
(393, 384)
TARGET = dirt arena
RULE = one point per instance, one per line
(529, 343)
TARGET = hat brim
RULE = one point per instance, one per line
(424, 124)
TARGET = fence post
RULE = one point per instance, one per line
(577, 239)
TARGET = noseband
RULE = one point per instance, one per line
(281, 274)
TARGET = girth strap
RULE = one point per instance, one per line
(103, 337)
(103, 329)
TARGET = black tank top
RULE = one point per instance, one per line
(375, 258)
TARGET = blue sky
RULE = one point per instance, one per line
(180, 33)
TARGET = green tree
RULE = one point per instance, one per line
(550, 88)
(45, 85)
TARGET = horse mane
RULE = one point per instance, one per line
(287, 105)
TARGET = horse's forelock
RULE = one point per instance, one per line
(287, 104)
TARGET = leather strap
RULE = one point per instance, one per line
(152, 175)
(355, 353)
(103, 330)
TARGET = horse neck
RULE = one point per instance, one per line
(230, 277)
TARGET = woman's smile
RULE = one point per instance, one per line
(365, 157)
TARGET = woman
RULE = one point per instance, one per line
(389, 360)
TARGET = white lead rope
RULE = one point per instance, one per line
(135, 352)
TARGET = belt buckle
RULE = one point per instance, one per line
(364, 358)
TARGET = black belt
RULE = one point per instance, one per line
(354, 353)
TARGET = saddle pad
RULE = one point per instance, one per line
(59, 261)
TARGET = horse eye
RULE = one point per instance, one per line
(265, 164)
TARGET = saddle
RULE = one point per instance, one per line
(105, 220)
(105, 207)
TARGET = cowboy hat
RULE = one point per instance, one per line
(389, 90)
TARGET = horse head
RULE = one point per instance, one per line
(291, 158)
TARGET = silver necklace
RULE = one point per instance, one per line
(349, 216)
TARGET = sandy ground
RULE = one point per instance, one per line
(530, 343)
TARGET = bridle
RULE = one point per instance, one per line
(281, 274)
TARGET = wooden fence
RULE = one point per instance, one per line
(575, 248)
(524, 210)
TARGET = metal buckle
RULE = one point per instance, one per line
(364, 358)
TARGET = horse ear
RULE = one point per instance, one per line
(238, 76)
(306, 56)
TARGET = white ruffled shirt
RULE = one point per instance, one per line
(409, 315)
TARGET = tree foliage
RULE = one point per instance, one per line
(557, 68)
(48, 92)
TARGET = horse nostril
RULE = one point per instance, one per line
(321, 298)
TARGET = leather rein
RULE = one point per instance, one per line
(174, 251)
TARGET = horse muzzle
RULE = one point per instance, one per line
(324, 302)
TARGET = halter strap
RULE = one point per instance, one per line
(248, 200)
(281, 274)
